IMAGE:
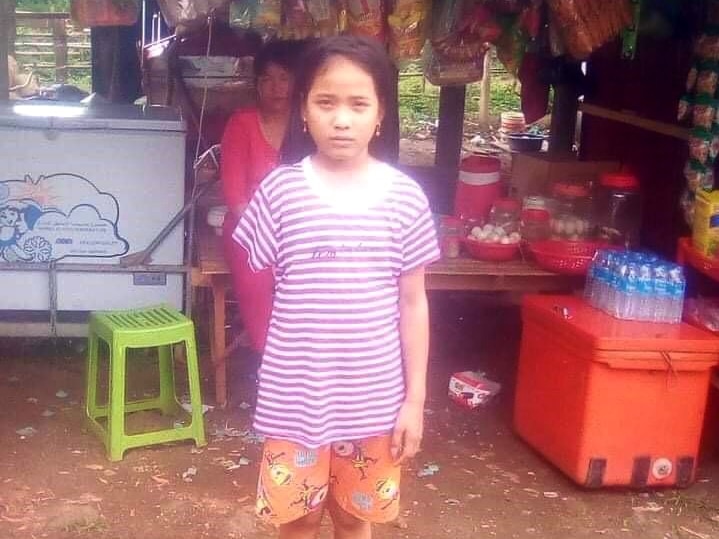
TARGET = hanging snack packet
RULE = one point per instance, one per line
(704, 112)
(700, 141)
(365, 18)
(707, 79)
(296, 20)
(242, 13)
(408, 29)
(268, 16)
(685, 108)
(324, 17)
(698, 176)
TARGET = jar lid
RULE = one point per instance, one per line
(536, 215)
(480, 164)
(571, 190)
(507, 204)
(620, 180)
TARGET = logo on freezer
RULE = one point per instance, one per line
(57, 216)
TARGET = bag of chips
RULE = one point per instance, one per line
(365, 18)
(408, 24)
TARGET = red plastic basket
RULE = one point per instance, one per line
(568, 257)
(491, 252)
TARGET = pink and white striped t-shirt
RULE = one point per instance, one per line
(332, 367)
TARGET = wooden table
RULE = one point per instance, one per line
(450, 274)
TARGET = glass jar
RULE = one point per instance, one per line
(451, 232)
(536, 224)
(619, 209)
(572, 216)
(505, 213)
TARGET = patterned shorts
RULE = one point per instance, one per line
(359, 475)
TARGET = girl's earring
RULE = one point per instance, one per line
(304, 126)
(377, 131)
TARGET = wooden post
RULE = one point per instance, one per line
(59, 40)
(564, 118)
(7, 20)
(451, 125)
(484, 91)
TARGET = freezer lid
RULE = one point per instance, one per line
(54, 115)
(597, 330)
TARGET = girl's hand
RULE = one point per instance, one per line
(407, 433)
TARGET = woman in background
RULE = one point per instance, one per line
(250, 150)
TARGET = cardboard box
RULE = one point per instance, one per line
(534, 173)
(705, 233)
(471, 389)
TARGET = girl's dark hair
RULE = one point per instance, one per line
(364, 52)
(281, 53)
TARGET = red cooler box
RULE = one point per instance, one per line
(611, 402)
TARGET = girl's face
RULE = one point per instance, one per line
(342, 110)
(273, 88)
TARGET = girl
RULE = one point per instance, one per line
(250, 150)
(342, 382)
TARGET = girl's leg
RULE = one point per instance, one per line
(348, 526)
(307, 527)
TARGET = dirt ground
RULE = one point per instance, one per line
(55, 481)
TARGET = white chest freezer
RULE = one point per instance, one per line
(87, 186)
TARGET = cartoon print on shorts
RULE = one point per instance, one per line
(262, 504)
(362, 501)
(306, 458)
(388, 491)
(355, 452)
(280, 474)
(311, 497)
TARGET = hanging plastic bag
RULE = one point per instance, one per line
(585, 25)
(324, 15)
(242, 13)
(296, 20)
(442, 70)
(408, 24)
(365, 18)
(188, 13)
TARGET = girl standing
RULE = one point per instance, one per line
(343, 375)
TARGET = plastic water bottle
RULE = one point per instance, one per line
(630, 309)
(645, 289)
(661, 290)
(677, 286)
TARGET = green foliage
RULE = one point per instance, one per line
(419, 100)
(43, 5)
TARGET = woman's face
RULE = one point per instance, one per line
(274, 87)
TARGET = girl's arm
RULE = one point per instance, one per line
(414, 337)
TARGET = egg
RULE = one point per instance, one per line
(515, 237)
(502, 233)
(505, 240)
(477, 231)
(488, 229)
(570, 227)
(580, 225)
(559, 227)
(493, 237)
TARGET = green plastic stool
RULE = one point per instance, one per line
(158, 327)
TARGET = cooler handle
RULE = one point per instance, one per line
(659, 361)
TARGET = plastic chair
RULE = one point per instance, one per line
(157, 327)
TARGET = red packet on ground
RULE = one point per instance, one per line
(472, 389)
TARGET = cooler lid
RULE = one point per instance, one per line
(54, 115)
(599, 331)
